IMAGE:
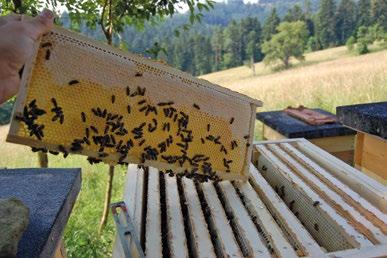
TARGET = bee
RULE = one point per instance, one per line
(83, 116)
(316, 227)
(138, 74)
(103, 154)
(316, 203)
(94, 129)
(246, 137)
(72, 82)
(208, 127)
(47, 44)
(113, 99)
(128, 108)
(234, 144)
(196, 106)
(247, 144)
(203, 141)
(86, 140)
(231, 120)
(53, 100)
(48, 54)
(127, 91)
(141, 102)
(141, 142)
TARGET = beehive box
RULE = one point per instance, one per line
(299, 201)
(85, 97)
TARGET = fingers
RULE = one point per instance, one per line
(40, 24)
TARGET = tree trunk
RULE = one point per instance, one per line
(253, 65)
(43, 159)
(286, 62)
(108, 196)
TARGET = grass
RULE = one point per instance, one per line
(335, 78)
(326, 79)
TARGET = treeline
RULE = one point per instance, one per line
(240, 42)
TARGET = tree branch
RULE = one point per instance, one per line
(101, 21)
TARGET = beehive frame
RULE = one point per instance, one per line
(81, 83)
(299, 201)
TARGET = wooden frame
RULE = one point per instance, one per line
(119, 83)
(371, 156)
(341, 147)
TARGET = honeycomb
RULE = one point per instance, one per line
(80, 96)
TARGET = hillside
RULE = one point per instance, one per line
(326, 79)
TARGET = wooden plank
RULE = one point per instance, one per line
(60, 251)
(258, 209)
(225, 236)
(246, 227)
(332, 198)
(368, 188)
(297, 232)
(365, 252)
(359, 143)
(200, 235)
(342, 226)
(335, 143)
(133, 198)
(176, 235)
(374, 155)
(153, 243)
(346, 156)
(351, 197)
(271, 134)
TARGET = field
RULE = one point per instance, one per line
(326, 79)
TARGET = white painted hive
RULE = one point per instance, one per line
(299, 202)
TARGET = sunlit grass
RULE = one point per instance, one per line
(330, 82)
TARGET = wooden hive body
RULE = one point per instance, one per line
(299, 201)
(164, 118)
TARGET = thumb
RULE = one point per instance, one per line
(40, 24)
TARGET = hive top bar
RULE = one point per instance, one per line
(85, 97)
(368, 118)
(293, 128)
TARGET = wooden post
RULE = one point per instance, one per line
(43, 159)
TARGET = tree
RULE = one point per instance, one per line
(363, 40)
(325, 23)
(202, 54)
(379, 13)
(233, 45)
(351, 43)
(364, 13)
(289, 41)
(252, 50)
(294, 14)
(217, 48)
(270, 25)
(345, 20)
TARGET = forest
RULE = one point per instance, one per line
(232, 34)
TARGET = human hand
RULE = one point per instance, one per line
(17, 36)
